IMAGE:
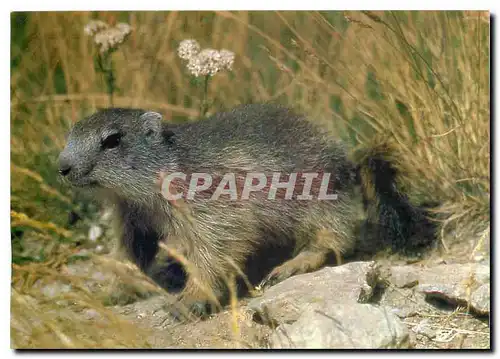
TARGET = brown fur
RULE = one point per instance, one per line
(217, 239)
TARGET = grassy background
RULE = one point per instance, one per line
(418, 79)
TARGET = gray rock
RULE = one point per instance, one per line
(287, 301)
(458, 284)
(55, 289)
(154, 309)
(404, 276)
(100, 249)
(92, 314)
(327, 309)
(95, 232)
(423, 328)
(480, 299)
(455, 273)
(345, 326)
(404, 312)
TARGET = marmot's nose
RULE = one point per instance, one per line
(64, 167)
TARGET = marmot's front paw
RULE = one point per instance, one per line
(168, 274)
(185, 310)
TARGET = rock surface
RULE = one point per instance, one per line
(458, 284)
(343, 326)
(358, 305)
(480, 299)
(325, 309)
(363, 305)
(287, 301)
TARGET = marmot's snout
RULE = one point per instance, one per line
(77, 172)
(64, 165)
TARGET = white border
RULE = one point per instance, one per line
(251, 5)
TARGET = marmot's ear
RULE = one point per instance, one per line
(151, 124)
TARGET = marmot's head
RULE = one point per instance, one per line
(122, 150)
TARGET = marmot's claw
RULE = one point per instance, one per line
(278, 274)
(270, 280)
(201, 309)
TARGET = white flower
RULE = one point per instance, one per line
(227, 59)
(210, 61)
(112, 37)
(107, 37)
(197, 68)
(124, 27)
(207, 62)
(188, 49)
(94, 26)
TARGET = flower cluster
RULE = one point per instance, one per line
(188, 49)
(106, 37)
(204, 62)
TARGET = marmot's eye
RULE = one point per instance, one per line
(111, 141)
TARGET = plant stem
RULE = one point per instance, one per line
(110, 81)
(204, 103)
(106, 67)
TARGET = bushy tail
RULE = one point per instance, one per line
(395, 221)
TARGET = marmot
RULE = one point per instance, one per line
(124, 153)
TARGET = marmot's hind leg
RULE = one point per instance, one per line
(325, 235)
(327, 247)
